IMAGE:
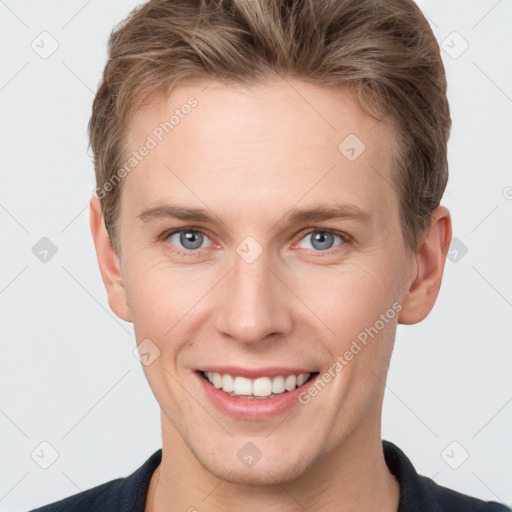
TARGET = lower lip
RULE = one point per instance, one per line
(252, 409)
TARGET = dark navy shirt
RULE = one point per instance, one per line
(417, 493)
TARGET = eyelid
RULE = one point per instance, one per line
(346, 238)
(171, 232)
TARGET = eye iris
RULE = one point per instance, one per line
(191, 237)
(321, 237)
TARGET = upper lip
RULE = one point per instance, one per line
(254, 373)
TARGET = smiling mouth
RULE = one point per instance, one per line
(259, 388)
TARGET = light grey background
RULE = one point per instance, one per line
(68, 374)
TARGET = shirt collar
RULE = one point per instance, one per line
(414, 494)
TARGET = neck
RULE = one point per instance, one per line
(352, 478)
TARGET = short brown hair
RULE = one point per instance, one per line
(384, 50)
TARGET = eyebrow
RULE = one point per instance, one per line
(294, 216)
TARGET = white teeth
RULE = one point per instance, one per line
(227, 383)
(217, 380)
(290, 383)
(260, 387)
(242, 386)
(278, 384)
(301, 379)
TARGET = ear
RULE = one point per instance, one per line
(108, 262)
(429, 260)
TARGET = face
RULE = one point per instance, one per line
(226, 273)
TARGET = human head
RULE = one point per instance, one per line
(248, 152)
(384, 51)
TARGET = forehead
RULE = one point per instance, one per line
(282, 141)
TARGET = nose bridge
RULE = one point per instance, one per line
(251, 305)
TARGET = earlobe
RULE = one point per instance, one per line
(430, 257)
(108, 262)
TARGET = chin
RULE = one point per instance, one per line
(279, 468)
(261, 474)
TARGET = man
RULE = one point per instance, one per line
(269, 177)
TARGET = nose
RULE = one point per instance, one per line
(253, 303)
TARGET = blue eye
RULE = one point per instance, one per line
(321, 240)
(189, 239)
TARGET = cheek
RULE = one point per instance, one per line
(342, 299)
(347, 299)
(162, 297)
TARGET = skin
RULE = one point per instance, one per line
(258, 153)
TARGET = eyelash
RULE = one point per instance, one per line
(346, 239)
